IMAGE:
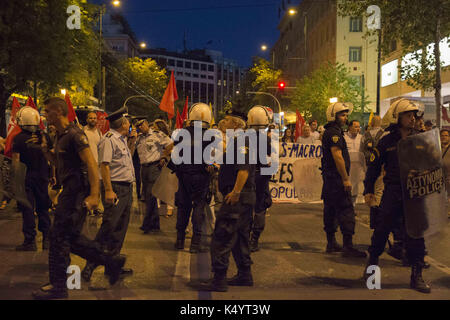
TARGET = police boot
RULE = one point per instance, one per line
(86, 274)
(113, 267)
(48, 292)
(243, 278)
(396, 250)
(417, 282)
(195, 243)
(332, 245)
(349, 251)
(254, 246)
(217, 283)
(179, 245)
(373, 261)
(27, 246)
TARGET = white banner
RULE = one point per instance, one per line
(298, 177)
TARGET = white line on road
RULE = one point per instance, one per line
(438, 265)
(182, 271)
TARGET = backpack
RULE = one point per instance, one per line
(370, 142)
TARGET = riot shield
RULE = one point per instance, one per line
(12, 180)
(308, 180)
(166, 186)
(423, 186)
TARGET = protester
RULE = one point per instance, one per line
(308, 137)
(428, 125)
(419, 124)
(445, 145)
(288, 137)
(357, 160)
(314, 130)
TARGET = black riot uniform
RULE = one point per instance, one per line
(36, 182)
(193, 188)
(263, 198)
(233, 224)
(391, 208)
(65, 234)
(338, 207)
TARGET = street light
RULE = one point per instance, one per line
(63, 92)
(292, 12)
(143, 45)
(116, 3)
(333, 100)
(263, 47)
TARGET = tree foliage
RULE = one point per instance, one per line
(312, 94)
(133, 77)
(37, 48)
(412, 23)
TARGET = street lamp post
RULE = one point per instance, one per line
(141, 96)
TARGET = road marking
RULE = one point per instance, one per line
(438, 265)
(182, 271)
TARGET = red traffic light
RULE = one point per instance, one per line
(281, 85)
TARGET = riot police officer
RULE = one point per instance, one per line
(234, 219)
(152, 145)
(193, 178)
(78, 173)
(117, 175)
(36, 179)
(401, 116)
(259, 119)
(336, 191)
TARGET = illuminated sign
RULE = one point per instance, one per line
(389, 73)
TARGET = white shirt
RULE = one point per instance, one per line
(94, 137)
(354, 147)
(316, 135)
(150, 146)
(310, 140)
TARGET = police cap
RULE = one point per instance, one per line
(139, 120)
(122, 112)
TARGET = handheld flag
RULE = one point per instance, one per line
(170, 96)
(299, 125)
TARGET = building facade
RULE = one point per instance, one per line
(118, 36)
(316, 35)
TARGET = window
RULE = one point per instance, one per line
(203, 67)
(355, 54)
(357, 79)
(195, 66)
(180, 63)
(171, 62)
(211, 68)
(356, 24)
(187, 65)
(187, 74)
(179, 73)
(195, 75)
(203, 76)
(211, 77)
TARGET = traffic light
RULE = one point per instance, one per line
(281, 85)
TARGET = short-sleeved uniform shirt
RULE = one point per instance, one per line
(113, 150)
(68, 145)
(150, 146)
(333, 137)
(228, 171)
(31, 155)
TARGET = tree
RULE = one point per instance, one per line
(133, 77)
(416, 24)
(312, 94)
(38, 51)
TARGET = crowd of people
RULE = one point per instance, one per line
(93, 169)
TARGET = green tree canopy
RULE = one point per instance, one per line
(312, 94)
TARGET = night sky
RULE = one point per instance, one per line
(238, 31)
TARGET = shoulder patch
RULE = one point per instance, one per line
(108, 135)
(372, 157)
(335, 139)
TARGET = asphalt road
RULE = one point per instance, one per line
(291, 265)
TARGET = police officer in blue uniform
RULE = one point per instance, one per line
(152, 146)
(117, 175)
(78, 174)
(336, 191)
(234, 218)
(258, 119)
(193, 179)
(26, 148)
(401, 116)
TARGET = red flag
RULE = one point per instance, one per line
(445, 114)
(179, 121)
(102, 123)
(12, 120)
(70, 111)
(170, 96)
(299, 125)
(184, 115)
(30, 103)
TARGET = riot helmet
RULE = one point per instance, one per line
(200, 112)
(28, 119)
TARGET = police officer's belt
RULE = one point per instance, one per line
(150, 163)
(122, 183)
